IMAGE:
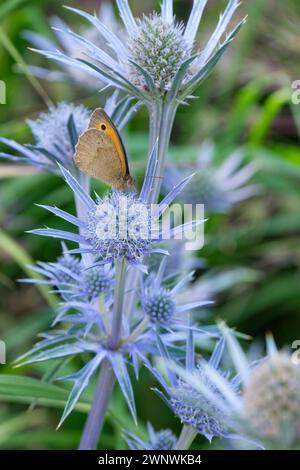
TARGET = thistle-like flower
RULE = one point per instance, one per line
(260, 403)
(55, 133)
(159, 54)
(217, 187)
(158, 440)
(72, 281)
(272, 403)
(159, 301)
(159, 47)
(72, 49)
(117, 226)
(193, 396)
(193, 407)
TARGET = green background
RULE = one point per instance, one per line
(246, 103)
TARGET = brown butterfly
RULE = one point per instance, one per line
(101, 154)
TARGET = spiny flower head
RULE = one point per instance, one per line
(193, 408)
(159, 300)
(120, 226)
(66, 267)
(158, 440)
(159, 47)
(51, 131)
(194, 397)
(157, 57)
(204, 189)
(74, 281)
(271, 398)
(55, 132)
(160, 306)
(163, 440)
(96, 281)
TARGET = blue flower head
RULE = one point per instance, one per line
(158, 440)
(194, 396)
(55, 132)
(156, 56)
(118, 225)
(159, 299)
(70, 278)
(193, 408)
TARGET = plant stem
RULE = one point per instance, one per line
(120, 277)
(186, 438)
(161, 123)
(95, 420)
(94, 423)
(162, 117)
(84, 181)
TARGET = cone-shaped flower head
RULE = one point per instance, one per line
(119, 225)
(55, 133)
(159, 47)
(159, 54)
(272, 401)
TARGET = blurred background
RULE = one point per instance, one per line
(252, 252)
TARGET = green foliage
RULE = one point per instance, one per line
(245, 104)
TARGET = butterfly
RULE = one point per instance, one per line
(101, 154)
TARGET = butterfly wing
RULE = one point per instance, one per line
(97, 156)
(100, 118)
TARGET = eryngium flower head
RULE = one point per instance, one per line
(158, 51)
(73, 281)
(120, 225)
(193, 395)
(55, 132)
(66, 267)
(96, 281)
(217, 187)
(193, 408)
(51, 131)
(160, 306)
(159, 47)
(158, 440)
(159, 301)
(272, 401)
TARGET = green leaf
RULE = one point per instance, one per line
(8, 45)
(9, 427)
(271, 109)
(20, 389)
(8, 7)
(19, 255)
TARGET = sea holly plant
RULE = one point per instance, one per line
(158, 62)
(259, 404)
(115, 310)
(71, 48)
